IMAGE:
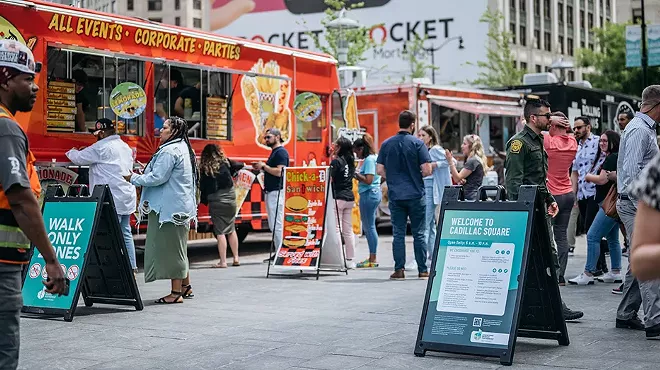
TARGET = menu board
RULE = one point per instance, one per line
(305, 190)
(61, 106)
(216, 118)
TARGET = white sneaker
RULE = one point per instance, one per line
(571, 252)
(411, 266)
(611, 278)
(582, 279)
(350, 264)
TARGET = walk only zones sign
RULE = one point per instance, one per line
(310, 240)
(86, 236)
(70, 238)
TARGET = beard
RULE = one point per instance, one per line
(271, 144)
(23, 104)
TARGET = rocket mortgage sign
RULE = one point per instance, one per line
(391, 23)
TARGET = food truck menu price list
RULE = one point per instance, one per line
(61, 106)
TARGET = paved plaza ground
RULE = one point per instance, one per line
(241, 320)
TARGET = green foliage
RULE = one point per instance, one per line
(499, 69)
(358, 39)
(416, 56)
(608, 62)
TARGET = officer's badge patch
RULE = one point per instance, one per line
(516, 145)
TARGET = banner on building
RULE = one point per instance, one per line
(633, 46)
(653, 42)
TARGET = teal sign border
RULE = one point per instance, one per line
(70, 237)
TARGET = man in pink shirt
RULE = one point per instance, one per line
(561, 146)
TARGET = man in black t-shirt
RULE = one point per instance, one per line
(82, 102)
(273, 169)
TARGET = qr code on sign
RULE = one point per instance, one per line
(477, 322)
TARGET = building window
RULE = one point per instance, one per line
(200, 96)
(197, 22)
(523, 5)
(97, 76)
(591, 46)
(523, 66)
(537, 8)
(177, 4)
(546, 9)
(569, 46)
(560, 13)
(523, 36)
(571, 75)
(582, 22)
(569, 15)
(601, 21)
(512, 4)
(113, 7)
(177, 21)
(512, 29)
(607, 6)
(547, 41)
(129, 5)
(159, 20)
(537, 39)
(538, 68)
(582, 44)
(155, 5)
(561, 45)
(197, 4)
(590, 20)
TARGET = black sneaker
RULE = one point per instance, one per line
(571, 315)
(598, 273)
(618, 290)
(635, 324)
(562, 281)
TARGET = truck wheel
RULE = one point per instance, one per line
(242, 233)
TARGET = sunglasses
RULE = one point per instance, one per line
(547, 115)
(268, 136)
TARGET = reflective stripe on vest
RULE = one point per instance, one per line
(13, 237)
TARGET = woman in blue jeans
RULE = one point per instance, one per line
(603, 225)
(370, 195)
(434, 185)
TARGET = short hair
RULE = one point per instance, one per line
(584, 119)
(533, 106)
(629, 114)
(80, 76)
(652, 93)
(275, 132)
(407, 119)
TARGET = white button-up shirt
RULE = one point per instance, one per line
(109, 160)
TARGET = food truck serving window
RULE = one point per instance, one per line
(199, 96)
(83, 86)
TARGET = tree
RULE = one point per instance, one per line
(358, 39)
(499, 69)
(608, 63)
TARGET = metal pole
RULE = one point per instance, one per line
(645, 57)
(433, 64)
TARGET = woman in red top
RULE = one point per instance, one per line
(561, 146)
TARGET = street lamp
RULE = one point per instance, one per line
(341, 24)
(561, 65)
(431, 50)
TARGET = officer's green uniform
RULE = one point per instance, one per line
(526, 164)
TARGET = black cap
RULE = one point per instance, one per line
(102, 124)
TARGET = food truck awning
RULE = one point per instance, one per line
(491, 108)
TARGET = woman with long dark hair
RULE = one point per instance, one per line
(343, 170)
(370, 195)
(217, 191)
(603, 225)
(168, 199)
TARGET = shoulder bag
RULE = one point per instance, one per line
(609, 203)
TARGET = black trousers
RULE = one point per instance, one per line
(588, 210)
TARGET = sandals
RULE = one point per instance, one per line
(187, 291)
(236, 263)
(176, 295)
(367, 264)
(219, 266)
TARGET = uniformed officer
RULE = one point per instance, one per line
(20, 215)
(527, 164)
